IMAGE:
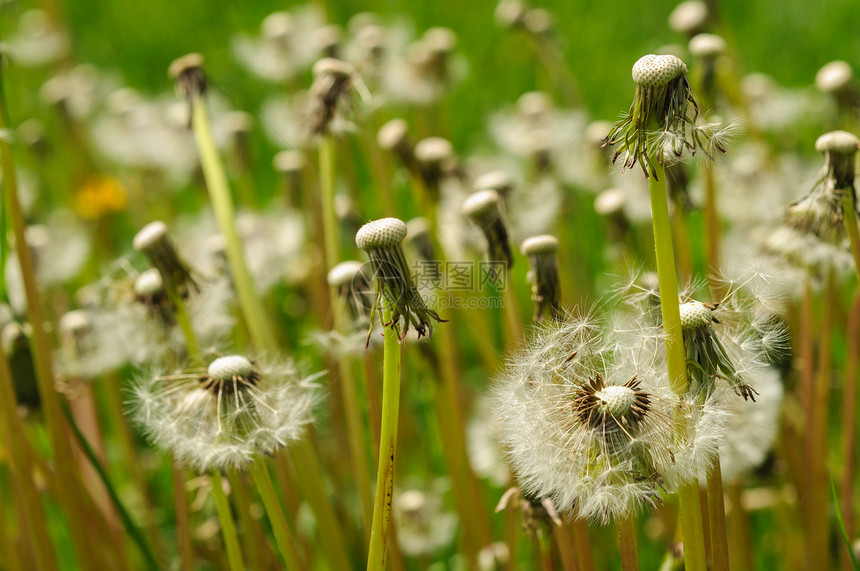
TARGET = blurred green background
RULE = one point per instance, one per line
(789, 40)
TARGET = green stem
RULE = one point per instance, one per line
(67, 479)
(183, 518)
(184, 321)
(717, 515)
(130, 527)
(327, 177)
(280, 527)
(667, 276)
(310, 481)
(21, 467)
(849, 215)
(691, 511)
(219, 193)
(228, 528)
(387, 447)
(627, 542)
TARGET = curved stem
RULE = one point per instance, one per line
(280, 527)
(228, 527)
(379, 532)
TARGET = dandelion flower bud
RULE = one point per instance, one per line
(187, 72)
(482, 208)
(383, 241)
(154, 241)
(227, 414)
(663, 122)
(546, 289)
(840, 150)
(689, 17)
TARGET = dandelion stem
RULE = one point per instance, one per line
(31, 514)
(130, 527)
(183, 518)
(219, 193)
(228, 527)
(582, 543)
(712, 221)
(564, 545)
(513, 316)
(280, 527)
(327, 177)
(387, 447)
(717, 516)
(627, 541)
(849, 419)
(688, 495)
(849, 215)
(180, 312)
(67, 478)
(310, 481)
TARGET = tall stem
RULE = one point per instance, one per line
(717, 516)
(327, 178)
(183, 518)
(228, 528)
(280, 527)
(849, 423)
(691, 512)
(627, 541)
(387, 447)
(67, 479)
(849, 215)
(219, 193)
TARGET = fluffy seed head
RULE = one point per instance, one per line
(382, 233)
(657, 70)
(229, 367)
(536, 245)
(841, 142)
(834, 77)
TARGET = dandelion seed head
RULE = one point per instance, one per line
(689, 17)
(148, 283)
(382, 233)
(834, 76)
(225, 415)
(841, 142)
(707, 46)
(695, 315)
(657, 70)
